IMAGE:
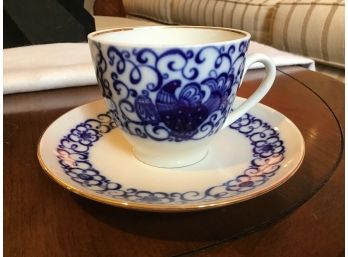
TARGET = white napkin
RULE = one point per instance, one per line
(42, 67)
(279, 57)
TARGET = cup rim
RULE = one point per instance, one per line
(246, 35)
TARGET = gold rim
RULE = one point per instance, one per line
(92, 36)
(99, 32)
(162, 207)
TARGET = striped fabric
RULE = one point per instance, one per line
(159, 10)
(253, 16)
(312, 28)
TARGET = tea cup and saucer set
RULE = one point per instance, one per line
(170, 134)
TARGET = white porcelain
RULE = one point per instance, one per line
(86, 153)
(171, 88)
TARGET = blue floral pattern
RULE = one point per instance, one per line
(74, 149)
(165, 94)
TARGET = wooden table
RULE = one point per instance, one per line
(303, 217)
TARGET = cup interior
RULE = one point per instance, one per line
(167, 35)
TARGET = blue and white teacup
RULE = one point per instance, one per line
(171, 88)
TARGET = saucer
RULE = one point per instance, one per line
(85, 152)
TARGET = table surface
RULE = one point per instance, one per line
(303, 217)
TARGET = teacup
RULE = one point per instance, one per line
(171, 88)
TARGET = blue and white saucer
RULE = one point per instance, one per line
(85, 152)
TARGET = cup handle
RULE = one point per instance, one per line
(260, 92)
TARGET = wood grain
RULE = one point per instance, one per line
(109, 8)
(43, 219)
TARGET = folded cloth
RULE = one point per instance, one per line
(42, 67)
(280, 58)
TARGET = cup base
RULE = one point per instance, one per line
(163, 161)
